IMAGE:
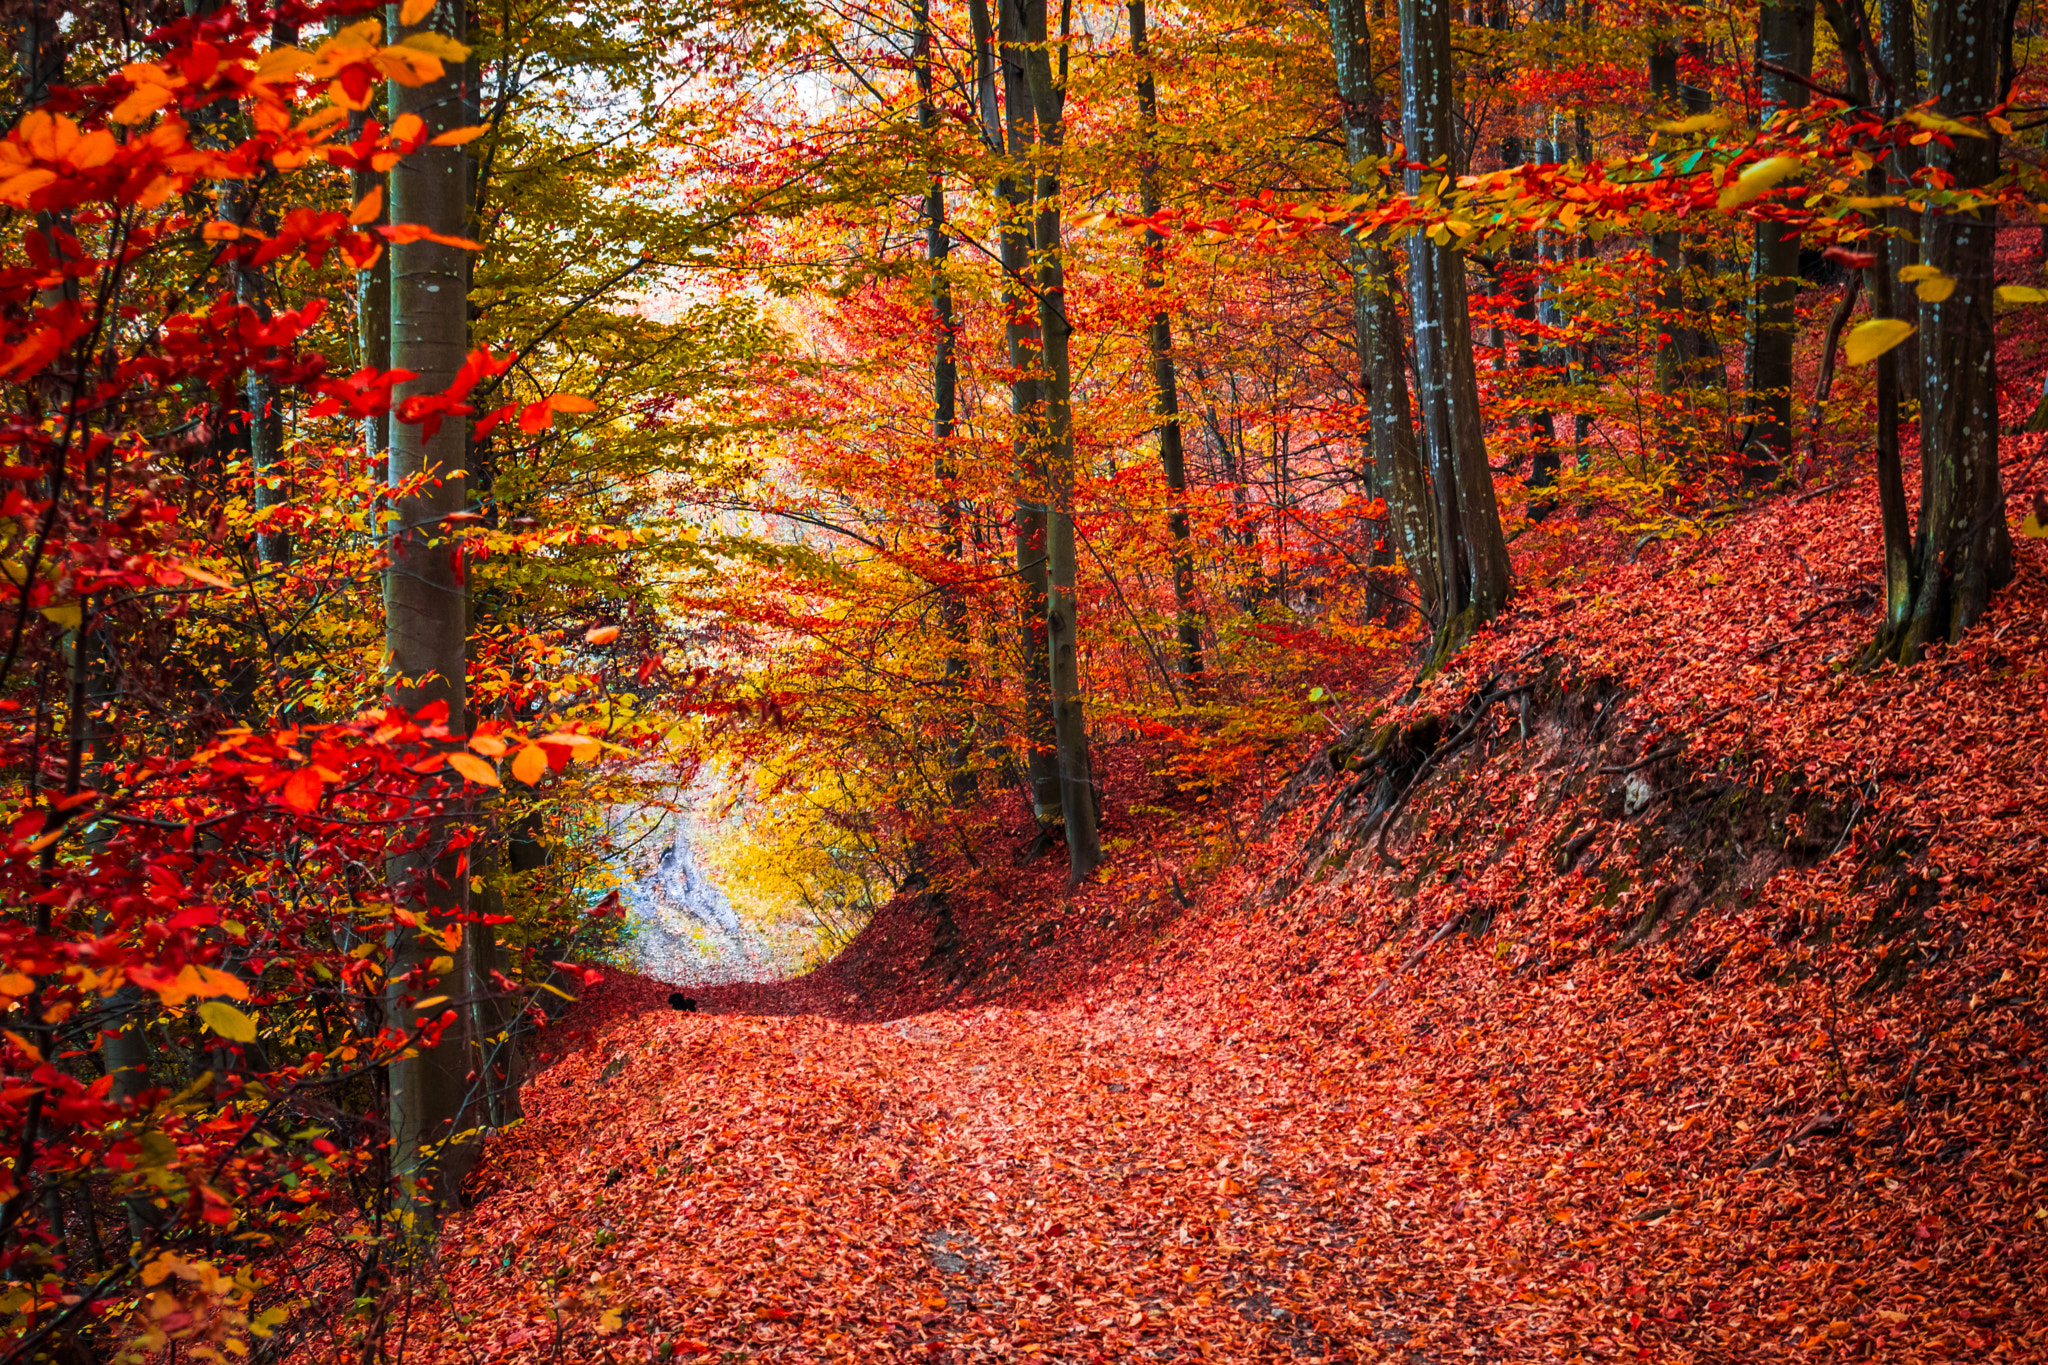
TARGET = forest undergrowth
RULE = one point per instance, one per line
(1650, 985)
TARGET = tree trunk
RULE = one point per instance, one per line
(1062, 615)
(1784, 49)
(1396, 474)
(1687, 356)
(426, 620)
(960, 780)
(1472, 554)
(1020, 333)
(1962, 552)
(1165, 379)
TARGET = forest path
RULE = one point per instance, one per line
(997, 1184)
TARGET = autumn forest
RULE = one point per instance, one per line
(992, 680)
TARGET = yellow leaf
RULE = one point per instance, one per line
(2032, 527)
(457, 137)
(439, 967)
(1935, 123)
(409, 66)
(2021, 293)
(1936, 289)
(68, 616)
(610, 1321)
(1910, 273)
(280, 64)
(1872, 339)
(412, 11)
(435, 45)
(1758, 179)
(530, 764)
(368, 207)
(430, 1002)
(228, 1022)
(475, 769)
(1698, 123)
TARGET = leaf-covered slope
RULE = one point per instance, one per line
(1453, 1099)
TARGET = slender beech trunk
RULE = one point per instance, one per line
(1962, 550)
(1396, 475)
(938, 244)
(1784, 51)
(1472, 553)
(1898, 45)
(1055, 329)
(1012, 133)
(426, 613)
(1687, 356)
(1165, 380)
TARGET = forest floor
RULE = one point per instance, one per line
(1653, 986)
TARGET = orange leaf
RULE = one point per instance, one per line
(412, 11)
(475, 769)
(368, 207)
(601, 635)
(530, 763)
(302, 790)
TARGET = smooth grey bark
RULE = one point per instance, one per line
(1396, 475)
(1472, 553)
(426, 619)
(1165, 379)
(1011, 131)
(1962, 550)
(1055, 331)
(1784, 52)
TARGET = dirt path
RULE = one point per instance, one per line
(997, 1184)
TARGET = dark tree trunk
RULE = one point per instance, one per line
(1784, 50)
(1962, 550)
(1688, 357)
(1165, 379)
(960, 781)
(1015, 134)
(1055, 332)
(1396, 475)
(1472, 555)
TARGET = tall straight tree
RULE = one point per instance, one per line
(1396, 476)
(1472, 554)
(426, 614)
(945, 404)
(1962, 550)
(1008, 128)
(1165, 381)
(1784, 62)
(1688, 356)
(1055, 332)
